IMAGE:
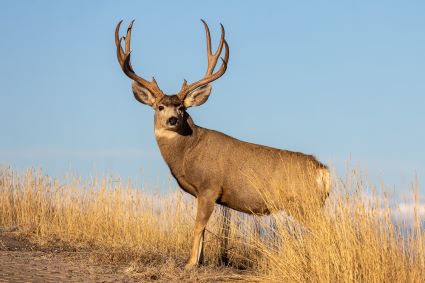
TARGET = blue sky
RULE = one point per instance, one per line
(344, 80)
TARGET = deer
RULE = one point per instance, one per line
(216, 168)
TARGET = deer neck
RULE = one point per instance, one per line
(174, 145)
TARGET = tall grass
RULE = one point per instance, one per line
(353, 239)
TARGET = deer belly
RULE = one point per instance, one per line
(247, 202)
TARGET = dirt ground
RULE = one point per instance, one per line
(22, 260)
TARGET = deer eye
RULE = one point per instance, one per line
(160, 108)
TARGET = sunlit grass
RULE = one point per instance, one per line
(353, 239)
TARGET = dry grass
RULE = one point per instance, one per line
(353, 240)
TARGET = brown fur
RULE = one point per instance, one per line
(216, 168)
(232, 172)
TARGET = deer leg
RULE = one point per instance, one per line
(225, 232)
(204, 211)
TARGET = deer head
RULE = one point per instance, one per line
(170, 110)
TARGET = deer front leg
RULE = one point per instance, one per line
(204, 211)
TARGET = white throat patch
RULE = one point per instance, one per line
(163, 133)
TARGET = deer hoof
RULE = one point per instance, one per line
(189, 266)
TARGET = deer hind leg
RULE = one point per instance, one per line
(204, 211)
(225, 233)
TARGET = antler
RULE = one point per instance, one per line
(124, 60)
(212, 62)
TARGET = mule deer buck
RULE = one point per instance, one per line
(214, 167)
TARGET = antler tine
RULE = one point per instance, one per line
(120, 55)
(226, 54)
(124, 60)
(223, 33)
(212, 62)
(213, 58)
(207, 33)
(128, 37)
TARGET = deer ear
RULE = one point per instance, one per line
(142, 94)
(198, 96)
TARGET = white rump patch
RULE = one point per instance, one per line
(323, 179)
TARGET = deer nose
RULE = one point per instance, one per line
(172, 121)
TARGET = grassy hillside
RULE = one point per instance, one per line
(354, 238)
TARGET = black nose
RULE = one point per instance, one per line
(172, 121)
